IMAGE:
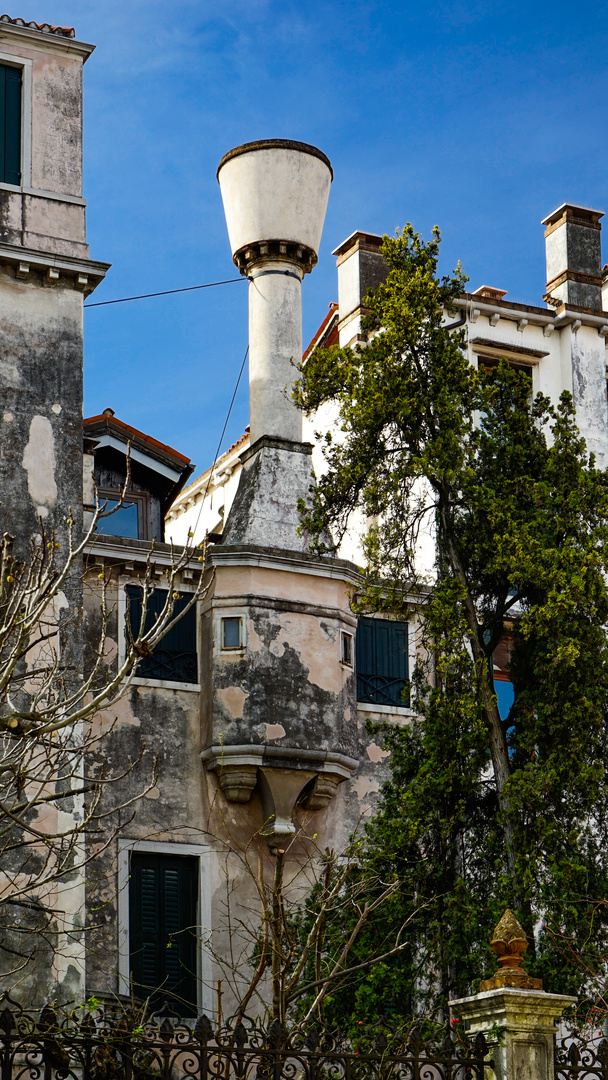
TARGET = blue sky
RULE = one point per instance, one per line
(481, 118)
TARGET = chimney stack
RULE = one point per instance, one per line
(275, 196)
(574, 259)
(361, 267)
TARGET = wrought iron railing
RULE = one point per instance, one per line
(170, 665)
(580, 1058)
(95, 1046)
(381, 690)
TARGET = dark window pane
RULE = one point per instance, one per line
(231, 633)
(382, 661)
(174, 658)
(10, 125)
(347, 649)
(162, 929)
(124, 522)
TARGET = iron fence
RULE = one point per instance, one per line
(95, 1046)
(581, 1058)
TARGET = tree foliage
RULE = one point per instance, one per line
(480, 811)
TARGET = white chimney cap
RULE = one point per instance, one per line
(275, 189)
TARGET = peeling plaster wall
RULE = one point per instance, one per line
(588, 359)
(288, 687)
(41, 424)
(150, 730)
(41, 416)
(57, 123)
(288, 677)
(34, 219)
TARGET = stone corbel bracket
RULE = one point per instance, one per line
(282, 774)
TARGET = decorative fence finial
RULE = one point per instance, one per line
(509, 943)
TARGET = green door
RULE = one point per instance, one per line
(162, 929)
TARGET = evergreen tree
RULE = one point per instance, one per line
(481, 811)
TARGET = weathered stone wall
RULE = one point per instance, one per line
(287, 687)
(44, 276)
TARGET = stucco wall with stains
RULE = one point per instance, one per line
(44, 276)
(286, 688)
(48, 212)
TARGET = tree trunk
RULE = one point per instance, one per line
(276, 920)
(496, 736)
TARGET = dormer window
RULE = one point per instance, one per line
(147, 474)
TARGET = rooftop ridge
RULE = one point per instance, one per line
(109, 417)
(198, 483)
(44, 28)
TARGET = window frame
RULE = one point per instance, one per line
(231, 650)
(138, 680)
(141, 500)
(488, 363)
(525, 362)
(398, 708)
(344, 635)
(25, 66)
(204, 957)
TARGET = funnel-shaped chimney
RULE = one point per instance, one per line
(275, 195)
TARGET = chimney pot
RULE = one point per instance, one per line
(488, 292)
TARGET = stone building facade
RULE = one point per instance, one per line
(248, 727)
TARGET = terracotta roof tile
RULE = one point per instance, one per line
(108, 415)
(199, 481)
(327, 334)
(45, 28)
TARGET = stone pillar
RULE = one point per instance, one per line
(524, 1050)
(513, 1012)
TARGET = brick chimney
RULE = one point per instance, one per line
(574, 259)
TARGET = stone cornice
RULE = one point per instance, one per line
(528, 1009)
(86, 274)
(128, 552)
(286, 757)
(292, 561)
(45, 42)
(525, 314)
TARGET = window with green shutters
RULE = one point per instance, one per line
(174, 658)
(10, 124)
(162, 929)
(382, 662)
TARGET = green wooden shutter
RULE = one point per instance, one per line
(175, 657)
(382, 661)
(162, 929)
(10, 124)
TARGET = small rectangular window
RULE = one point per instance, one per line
(347, 649)
(10, 124)
(175, 657)
(232, 633)
(162, 929)
(382, 662)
